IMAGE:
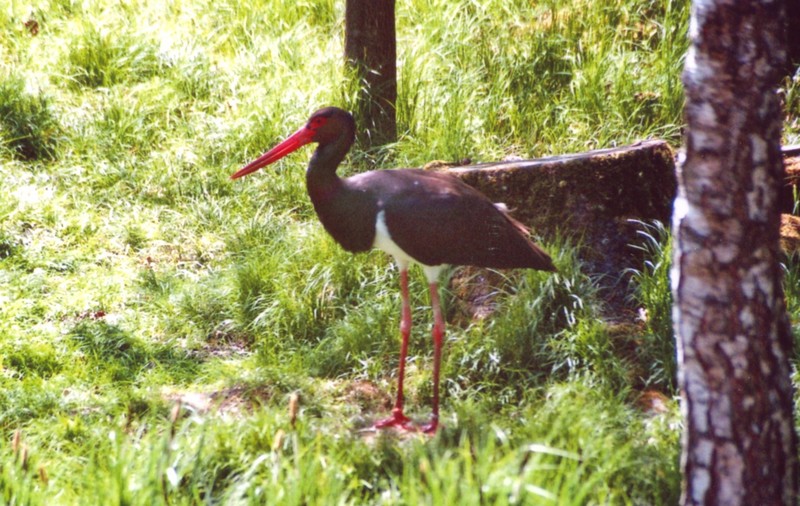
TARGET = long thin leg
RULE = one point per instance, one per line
(437, 334)
(398, 418)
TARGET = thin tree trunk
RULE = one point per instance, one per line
(371, 50)
(734, 339)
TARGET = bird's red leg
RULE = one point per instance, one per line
(437, 334)
(398, 418)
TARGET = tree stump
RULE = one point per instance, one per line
(790, 225)
(791, 164)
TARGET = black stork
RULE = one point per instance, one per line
(429, 218)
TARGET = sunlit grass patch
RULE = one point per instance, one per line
(107, 54)
(542, 80)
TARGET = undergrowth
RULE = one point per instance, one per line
(653, 296)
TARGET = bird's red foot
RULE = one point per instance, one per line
(398, 419)
(431, 427)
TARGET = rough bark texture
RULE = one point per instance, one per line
(370, 49)
(734, 341)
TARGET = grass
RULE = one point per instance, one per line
(653, 294)
(31, 131)
(157, 318)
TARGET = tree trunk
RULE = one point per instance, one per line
(734, 340)
(370, 49)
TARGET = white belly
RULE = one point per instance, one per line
(383, 241)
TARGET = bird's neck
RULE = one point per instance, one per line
(321, 178)
(327, 157)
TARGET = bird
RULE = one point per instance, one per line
(428, 218)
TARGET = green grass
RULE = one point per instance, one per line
(790, 91)
(653, 295)
(29, 128)
(135, 276)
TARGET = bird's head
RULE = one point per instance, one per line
(326, 126)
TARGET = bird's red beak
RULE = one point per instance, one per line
(297, 140)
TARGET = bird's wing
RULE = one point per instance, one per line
(444, 221)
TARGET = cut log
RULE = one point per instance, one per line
(790, 225)
(790, 234)
(791, 163)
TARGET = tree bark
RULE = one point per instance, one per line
(734, 339)
(371, 51)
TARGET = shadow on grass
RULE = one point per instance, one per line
(110, 348)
